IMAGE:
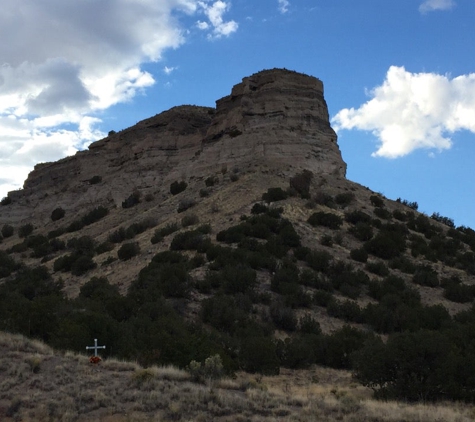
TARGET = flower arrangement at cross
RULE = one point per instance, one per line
(94, 359)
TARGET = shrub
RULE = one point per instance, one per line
(359, 255)
(132, 200)
(185, 204)
(204, 193)
(189, 220)
(259, 209)
(357, 216)
(426, 276)
(301, 183)
(412, 205)
(177, 187)
(362, 231)
(284, 318)
(25, 230)
(7, 230)
(274, 194)
(190, 240)
(444, 220)
(386, 245)
(149, 197)
(57, 214)
(399, 215)
(128, 251)
(94, 215)
(323, 198)
(117, 236)
(234, 177)
(82, 265)
(378, 268)
(94, 180)
(104, 247)
(210, 369)
(344, 199)
(319, 260)
(382, 213)
(325, 219)
(211, 181)
(6, 201)
(376, 201)
(326, 240)
(461, 293)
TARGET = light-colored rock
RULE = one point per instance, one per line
(277, 119)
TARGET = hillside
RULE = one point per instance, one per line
(234, 232)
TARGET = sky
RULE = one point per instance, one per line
(399, 79)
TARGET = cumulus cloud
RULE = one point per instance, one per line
(431, 5)
(411, 111)
(214, 11)
(65, 62)
(283, 6)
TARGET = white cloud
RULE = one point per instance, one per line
(431, 5)
(284, 6)
(66, 62)
(410, 111)
(169, 70)
(214, 11)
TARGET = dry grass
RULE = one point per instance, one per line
(39, 384)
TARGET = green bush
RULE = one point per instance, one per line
(7, 230)
(274, 195)
(357, 216)
(362, 231)
(344, 199)
(301, 183)
(6, 201)
(82, 265)
(325, 219)
(382, 213)
(359, 255)
(185, 204)
(210, 369)
(412, 205)
(132, 200)
(386, 245)
(319, 260)
(211, 181)
(7, 264)
(190, 240)
(444, 220)
(177, 187)
(378, 268)
(95, 215)
(189, 220)
(128, 251)
(57, 214)
(25, 230)
(284, 318)
(426, 276)
(95, 180)
(376, 201)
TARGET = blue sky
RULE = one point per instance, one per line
(399, 79)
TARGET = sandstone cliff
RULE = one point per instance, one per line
(275, 118)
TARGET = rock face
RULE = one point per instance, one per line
(275, 118)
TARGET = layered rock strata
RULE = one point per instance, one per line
(275, 118)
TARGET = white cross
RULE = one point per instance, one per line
(95, 347)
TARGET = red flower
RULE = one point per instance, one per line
(94, 359)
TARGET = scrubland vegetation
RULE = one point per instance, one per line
(258, 289)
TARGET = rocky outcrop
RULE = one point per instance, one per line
(275, 118)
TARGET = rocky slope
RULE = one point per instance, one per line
(275, 118)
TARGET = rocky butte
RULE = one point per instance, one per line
(275, 118)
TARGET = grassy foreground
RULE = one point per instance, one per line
(40, 384)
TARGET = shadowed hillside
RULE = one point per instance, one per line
(233, 232)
